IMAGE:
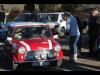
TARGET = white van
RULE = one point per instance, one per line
(54, 17)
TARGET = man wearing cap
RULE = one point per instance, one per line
(92, 31)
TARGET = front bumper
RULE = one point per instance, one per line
(38, 62)
(39, 56)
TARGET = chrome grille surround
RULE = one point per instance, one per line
(39, 55)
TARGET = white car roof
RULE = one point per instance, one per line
(18, 24)
(53, 12)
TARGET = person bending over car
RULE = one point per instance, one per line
(74, 35)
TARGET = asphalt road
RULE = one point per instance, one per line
(84, 63)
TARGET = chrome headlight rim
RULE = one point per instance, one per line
(57, 48)
(21, 50)
(41, 54)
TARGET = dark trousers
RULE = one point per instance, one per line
(92, 40)
(79, 43)
(73, 45)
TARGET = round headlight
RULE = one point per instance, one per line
(21, 50)
(43, 56)
(57, 48)
(50, 55)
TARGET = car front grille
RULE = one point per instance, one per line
(39, 55)
(30, 55)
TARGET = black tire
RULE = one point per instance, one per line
(8, 56)
(56, 63)
(9, 59)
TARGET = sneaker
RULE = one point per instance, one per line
(73, 58)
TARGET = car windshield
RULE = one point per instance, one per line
(32, 32)
(48, 17)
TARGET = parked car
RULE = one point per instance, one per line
(54, 17)
(26, 17)
(33, 42)
(22, 17)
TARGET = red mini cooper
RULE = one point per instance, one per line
(33, 42)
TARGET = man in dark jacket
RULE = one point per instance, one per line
(98, 37)
(2, 15)
(98, 25)
(92, 32)
(80, 26)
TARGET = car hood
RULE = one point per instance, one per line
(36, 44)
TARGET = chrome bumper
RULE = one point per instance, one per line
(37, 63)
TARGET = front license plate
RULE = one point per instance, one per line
(35, 64)
(43, 63)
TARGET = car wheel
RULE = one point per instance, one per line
(57, 63)
(7, 55)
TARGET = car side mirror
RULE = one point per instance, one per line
(9, 38)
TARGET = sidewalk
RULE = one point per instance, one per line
(84, 63)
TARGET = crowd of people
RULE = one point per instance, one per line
(76, 30)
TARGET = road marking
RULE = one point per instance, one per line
(61, 69)
(86, 67)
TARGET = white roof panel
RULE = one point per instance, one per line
(17, 24)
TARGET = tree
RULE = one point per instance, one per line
(42, 7)
(58, 7)
(69, 7)
(13, 13)
(49, 7)
(29, 7)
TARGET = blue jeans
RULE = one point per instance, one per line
(73, 45)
